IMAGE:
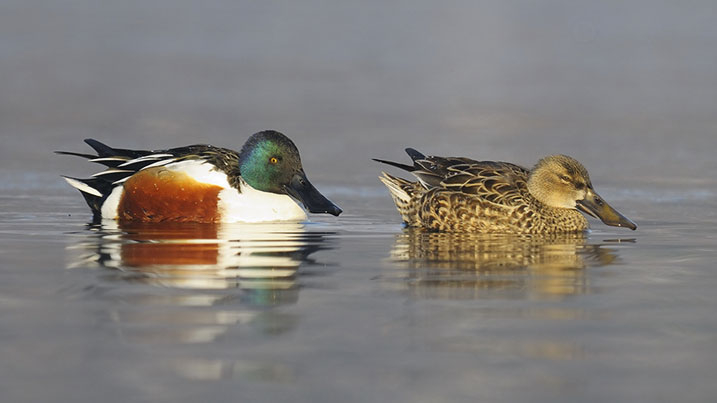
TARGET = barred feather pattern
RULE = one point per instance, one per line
(454, 211)
(464, 195)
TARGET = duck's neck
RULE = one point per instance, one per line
(557, 217)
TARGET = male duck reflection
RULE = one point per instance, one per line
(264, 257)
(464, 195)
(201, 183)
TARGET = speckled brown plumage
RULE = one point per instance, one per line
(464, 195)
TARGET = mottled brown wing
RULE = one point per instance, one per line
(431, 171)
(500, 183)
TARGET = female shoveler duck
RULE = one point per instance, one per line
(464, 195)
(201, 183)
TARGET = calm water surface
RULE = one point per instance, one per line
(354, 309)
(357, 308)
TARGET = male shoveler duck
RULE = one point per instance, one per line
(463, 195)
(202, 183)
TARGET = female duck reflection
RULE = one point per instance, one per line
(261, 259)
(464, 266)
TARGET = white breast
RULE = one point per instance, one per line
(253, 205)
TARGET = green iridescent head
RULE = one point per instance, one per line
(270, 162)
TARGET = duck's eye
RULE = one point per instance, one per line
(274, 160)
(564, 178)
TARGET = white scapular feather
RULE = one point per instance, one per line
(111, 171)
(160, 163)
(151, 157)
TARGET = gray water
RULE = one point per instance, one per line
(357, 308)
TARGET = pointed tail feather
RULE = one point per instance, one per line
(111, 162)
(102, 149)
(120, 163)
(88, 156)
(405, 167)
(403, 193)
(415, 154)
(400, 189)
(82, 186)
(93, 190)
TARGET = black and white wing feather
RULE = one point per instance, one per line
(120, 164)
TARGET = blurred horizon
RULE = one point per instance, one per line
(630, 89)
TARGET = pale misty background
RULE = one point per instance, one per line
(629, 88)
(370, 312)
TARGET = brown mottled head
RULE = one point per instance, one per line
(560, 181)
